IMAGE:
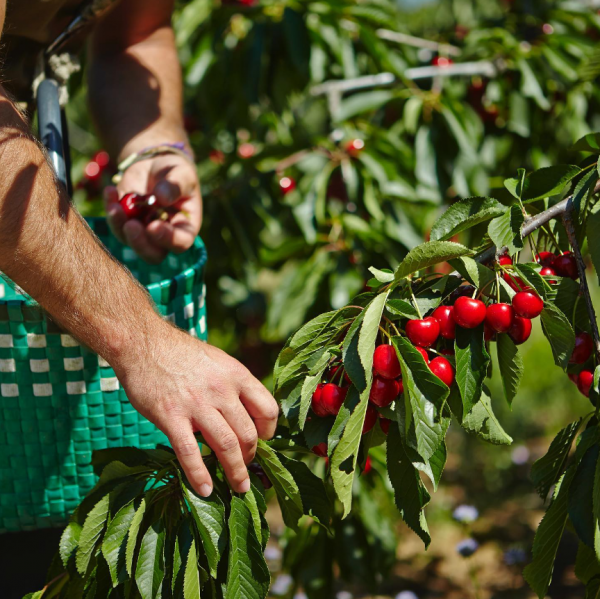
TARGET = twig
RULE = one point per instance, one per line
(417, 42)
(584, 288)
(481, 67)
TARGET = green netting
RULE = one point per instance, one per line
(59, 401)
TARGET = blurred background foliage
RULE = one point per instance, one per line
(306, 185)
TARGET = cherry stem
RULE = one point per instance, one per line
(497, 287)
(583, 284)
(414, 299)
(390, 323)
(385, 333)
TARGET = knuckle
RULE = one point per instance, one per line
(272, 411)
(184, 448)
(249, 437)
(228, 442)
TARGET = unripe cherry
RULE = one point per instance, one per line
(445, 317)
(469, 313)
(385, 362)
(520, 330)
(585, 382)
(443, 370)
(584, 346)
(333, 396)
(423, 333)
(500, 317)
(370, 419)
(317, 404)
(384, 391)
(527, 304)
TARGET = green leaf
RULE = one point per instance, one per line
(581, 497)
(191, 584)
(401, 308)
(247, 575)
(586, 564)
(532, 278)
(530, 86)
(428, 254)
(593, 237)
(511, 366)
(132, 537)
(383, 276)
(150, 568)
(90, 534)
(308, 388)
(476, 273)
(69, 541)
(472, 362)
(548, 181)
(596, 512)
(410, 495)
(588, 143)
(483, 422)
(362, 102)
(583, 192)
(505, 230)
(545, 545)
(464, 214)
(352, 362)
(369, 330)
(559, 332)
(114, 542)
(209, 516)
(546, 471)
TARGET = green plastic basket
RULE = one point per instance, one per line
(59, 401)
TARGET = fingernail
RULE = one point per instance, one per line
(245, 486)
(206, 490)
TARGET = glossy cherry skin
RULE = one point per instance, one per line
(287, 184)
(384, 391)
(320, 450)
(385, 362)
(370, 419)
(441, 61)
(317, 404)
(585, 382)
(384, 423)
(423, 333)
(573, 377)
(520, 330)
(445, 317)
(527, 304)
(136, 206)
(468, 312)
(584, 346)
(489, 334)
(566, 266)
(548, 272)
(368, 466)
(500, 317)
(333, 375)
(505, 260)
(443, 370)
(545, 259)
(424, 354)
(333, 396)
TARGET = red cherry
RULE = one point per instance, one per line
(246, 150)
(566, 266)
(545, 258)
(370, 419)
(515, 283)
(520, 330)
(385, 362)
(585, 382)
(445, 318)
(505, 260)
(469, 313)
(384, 391)
(102, 159)
(548, 272)
(355, 146)
(463, 290)
(441, 61)
(584, 346)
(573, 377)
(424, 354)
(216, 156)
(384, 423)
(368, 466)
(527, 304)
(287, 184)
(137, 206)
(333, 374)
(443, 370)
(423, 333)
(317, 404)
(489, 334)
(447, 352)
(500, 317)
(320, 450)
(333, 397)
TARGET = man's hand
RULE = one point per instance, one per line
(174, 182)
(184, 385)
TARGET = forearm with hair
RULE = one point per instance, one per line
(48, 250)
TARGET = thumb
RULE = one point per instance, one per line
(177, 184)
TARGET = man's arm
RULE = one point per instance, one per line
(136, 98)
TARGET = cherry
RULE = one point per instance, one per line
(246, 150)
(566, 266)
(216, 156)
(447, 352)
(317, 405)
(515, 283)
(462, 291)
(257, 469)
(443, 370)
(384, 423)
(469, 313)
(333, 374)
(355, 146)
(320, 450)
(489, 334)
(102, 159)
(441, 61)
(520, 330)
(423, 333)
(445, 318)
(548, 272)
(385, 362)
(527, 304)
(499, 317)
(585, 382)
(573, 377)
(384, 391)
(505, 260)
(332, 397)
(287, 184)
(424, 354)
(545, 259)
(137, 206)
(370, 419)
(368, 466)
(584, 346)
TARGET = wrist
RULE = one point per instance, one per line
(165, 135)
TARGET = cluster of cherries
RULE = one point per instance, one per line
(139, 207)
(94, 174)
